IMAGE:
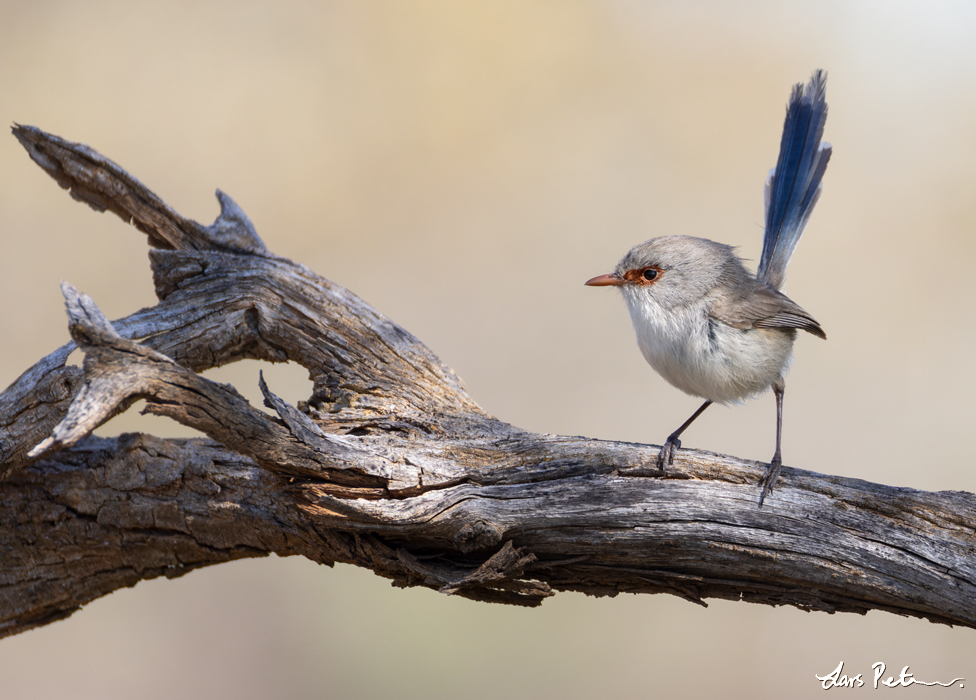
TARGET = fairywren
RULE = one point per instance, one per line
(704, 322)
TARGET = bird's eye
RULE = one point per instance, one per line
(650, 274)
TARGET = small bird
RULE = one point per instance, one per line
(703, 321)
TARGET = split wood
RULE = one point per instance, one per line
(390, 465)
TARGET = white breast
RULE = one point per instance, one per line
(708, 358)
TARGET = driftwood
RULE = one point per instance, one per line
(390, 465)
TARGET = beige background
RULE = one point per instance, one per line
(465, 166)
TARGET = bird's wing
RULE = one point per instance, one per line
(762, 307)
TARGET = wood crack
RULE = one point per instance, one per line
(390, 465)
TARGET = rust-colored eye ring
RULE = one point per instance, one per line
(643, 276)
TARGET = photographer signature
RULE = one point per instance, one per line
(837, 679)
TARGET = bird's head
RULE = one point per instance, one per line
(670, 270)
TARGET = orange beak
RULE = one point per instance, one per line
(610, 280)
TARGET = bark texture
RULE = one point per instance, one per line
(390, 465)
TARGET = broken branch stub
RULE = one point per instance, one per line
(119, 372)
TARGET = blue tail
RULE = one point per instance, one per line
(793, 187)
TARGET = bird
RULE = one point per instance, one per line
(703, 321)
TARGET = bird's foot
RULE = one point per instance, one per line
(769, 479)
(666, 457)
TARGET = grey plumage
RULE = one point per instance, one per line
(703, 321)
(706, 324)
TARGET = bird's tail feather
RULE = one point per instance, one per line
(793, 186)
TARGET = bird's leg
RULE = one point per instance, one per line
(769, 480)
(671, 445)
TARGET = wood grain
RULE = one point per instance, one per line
(390, 465)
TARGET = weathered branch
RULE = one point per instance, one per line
(390, 465)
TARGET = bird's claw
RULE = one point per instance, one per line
(769, 478)
(666, 457)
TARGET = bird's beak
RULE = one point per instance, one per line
(611, 280)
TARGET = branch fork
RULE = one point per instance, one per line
(389, 464)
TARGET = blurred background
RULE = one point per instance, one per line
(465, 167)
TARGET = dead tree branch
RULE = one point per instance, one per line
(389, 464)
